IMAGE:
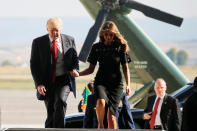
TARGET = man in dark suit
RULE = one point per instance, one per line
(190, 111)
(162, 110)
(54, 65)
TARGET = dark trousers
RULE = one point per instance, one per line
(56, 103)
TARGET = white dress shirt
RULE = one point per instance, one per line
(59, 43)
(158, 119)
(60, 62)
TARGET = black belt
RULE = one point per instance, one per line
(157, 127)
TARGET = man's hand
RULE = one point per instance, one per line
(128, 90)
(41, 89)
(74, 73)
(147, 116)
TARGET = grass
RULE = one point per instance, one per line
(20, 78)
(16, 84)
(189, 71)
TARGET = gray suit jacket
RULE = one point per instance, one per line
(41, 61)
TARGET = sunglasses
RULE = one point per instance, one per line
(109, 34)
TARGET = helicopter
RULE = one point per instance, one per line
(148, 61)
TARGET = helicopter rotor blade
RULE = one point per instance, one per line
(92, 34)
(153, 12)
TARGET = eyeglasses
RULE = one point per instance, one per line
(109, 34)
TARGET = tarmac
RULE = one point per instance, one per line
(21, 109)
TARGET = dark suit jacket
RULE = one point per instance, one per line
(190, 114)
(41, 61)
(170, 113)
(124, 117)
(90, 119)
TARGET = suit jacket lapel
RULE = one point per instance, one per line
(164, 104)
(48, 48)
(65, 44)
(153, 101)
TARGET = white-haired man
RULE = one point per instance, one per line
(162, 110)
(54, 65)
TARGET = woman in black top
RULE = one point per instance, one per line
(110, 52)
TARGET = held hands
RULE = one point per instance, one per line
(128, 90)
(74, 73)
(41, 89)
(147, 116)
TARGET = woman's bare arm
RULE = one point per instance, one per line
(88, 70)
(126, 72)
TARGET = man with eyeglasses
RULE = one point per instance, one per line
(162, 110)
(54, 65)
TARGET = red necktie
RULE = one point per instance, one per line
(152, 122)
(54, 58)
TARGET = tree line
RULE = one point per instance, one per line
(178, 57)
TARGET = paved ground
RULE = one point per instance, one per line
(20, 108)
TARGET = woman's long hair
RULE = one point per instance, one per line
(110, 26)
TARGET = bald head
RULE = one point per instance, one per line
(160, 87)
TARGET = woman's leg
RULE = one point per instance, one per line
(111, 120)
(100, 111)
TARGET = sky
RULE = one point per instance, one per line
(13, 12)
(23, 20)
(49, 8)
